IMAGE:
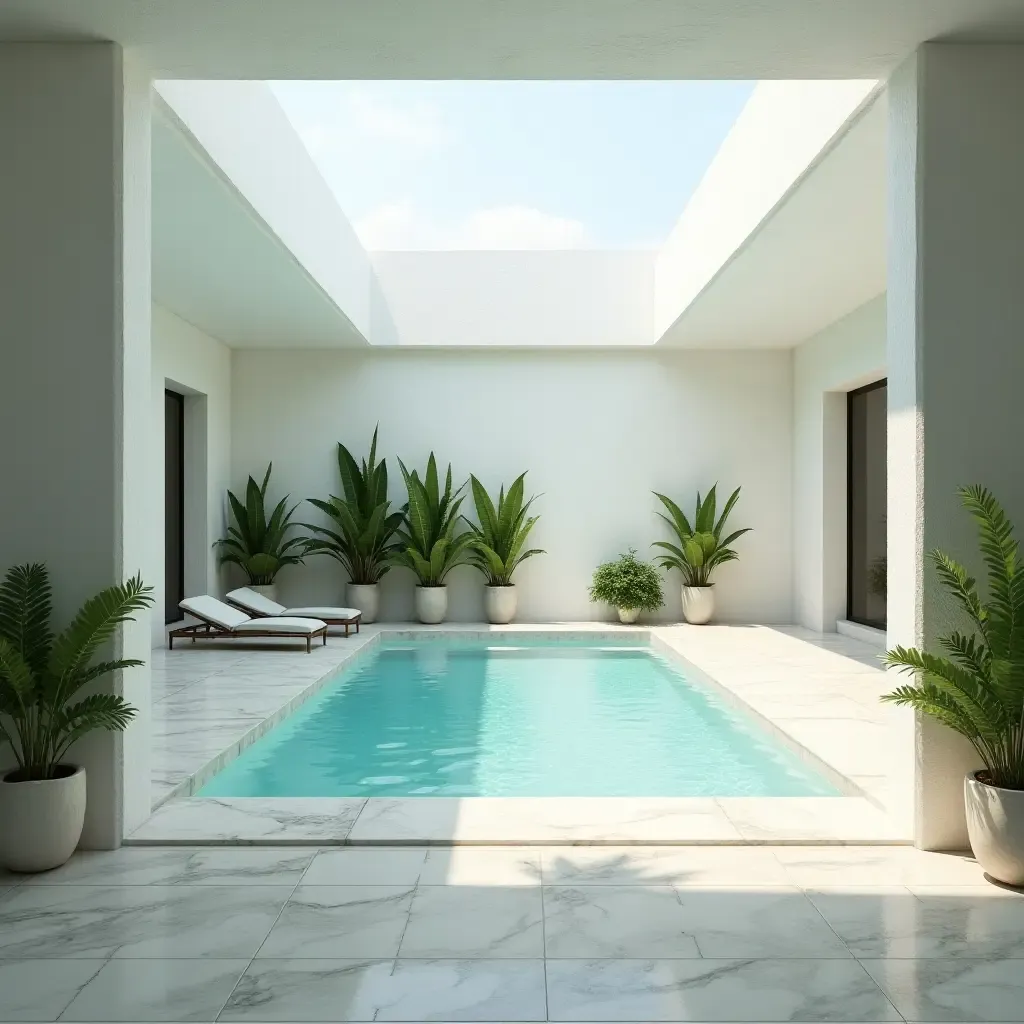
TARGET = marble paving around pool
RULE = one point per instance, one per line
(816, 694)
(759, 934)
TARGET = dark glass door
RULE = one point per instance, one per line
(866, 462)
(174, 504)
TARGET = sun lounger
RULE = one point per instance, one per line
(257, 605)
(219, 621)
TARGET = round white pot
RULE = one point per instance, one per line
(501, 604)
(995, 824)
(628, 615)
(698, 604)
(431, 604)
(267, 590)
(42, 821)
(365, 598)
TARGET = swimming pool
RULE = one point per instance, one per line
(533, 719)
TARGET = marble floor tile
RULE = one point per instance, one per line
(32, 990)
(157, 990)
(416, 990)
(714, 990)
(944, 922)
(847, 866)
(952, 990)
(662, 865)
(340, 922)
(822, 819)
(367, 866)
(306, 820)
(734, 924)
(470, 921)
(181, 866)
(58, 921)
(613, 921)
(544, 820)
(482, 866)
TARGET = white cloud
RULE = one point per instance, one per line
(520, 227)
(418, 124)
(400, 226)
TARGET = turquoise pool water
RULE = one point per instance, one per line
(544, 719)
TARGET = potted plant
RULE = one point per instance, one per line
(699, 550)
(978, 690)
(258, 544)
(629, 584)
(428, 543)
(42, 801)
(497, 544)
(362, 531)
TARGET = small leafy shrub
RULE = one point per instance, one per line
(628, 582)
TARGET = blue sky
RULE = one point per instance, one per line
(440, 165)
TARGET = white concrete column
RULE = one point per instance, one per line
(955, 351)
(75, 359)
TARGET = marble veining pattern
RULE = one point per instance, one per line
(273, 934)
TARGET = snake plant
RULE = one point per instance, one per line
(428, 541)
(497, 543)
(700, 548)
(362, 532)
(256, 544)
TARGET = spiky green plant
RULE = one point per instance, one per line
(628, 582)
(700, 548)
(428, 542)
(362, 534)
(496, 548)
(978, 691)
(255, 543)
(40, 673)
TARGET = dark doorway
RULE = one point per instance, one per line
(866, 495)
(174, 504)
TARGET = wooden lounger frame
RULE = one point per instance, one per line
(207, 630)
(347, 623)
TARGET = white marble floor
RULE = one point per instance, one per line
(816, 694)
(511, 934)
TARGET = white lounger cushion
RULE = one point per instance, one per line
(220, 614)
(325, 613)
(211, 610)
(256, 603)
(280, 625)
(260, 605)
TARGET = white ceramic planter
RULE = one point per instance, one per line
(42, 821)
(431, 604)
(628, 615)
(267, 590)
(995, 824)
(365, 597)
(501, 604)
(698, 604)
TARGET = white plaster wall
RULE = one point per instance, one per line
(75, 362)
(192, 363)
(597, 432)
(552, 298)
(781, 131)
(247, 134)
(956, 320)
(844, 356)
